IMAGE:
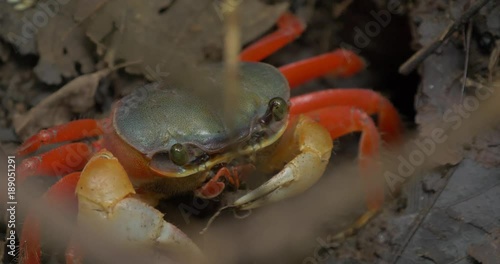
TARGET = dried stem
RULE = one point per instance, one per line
(232, 48)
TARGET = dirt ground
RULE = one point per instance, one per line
(68, 60)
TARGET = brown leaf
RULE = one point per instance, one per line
(75, 97)
(439, 99)
(487, 252)
(163, 36)
(65, 51)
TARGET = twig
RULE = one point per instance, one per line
(424, 52)
(468, 34)
(232, 48)
(125, 64)
(211, 220)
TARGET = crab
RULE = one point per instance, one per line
(159, 142)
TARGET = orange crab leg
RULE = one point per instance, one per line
(341, 120)
(290, 27)
(59, 161)
(340, 62)
(369, 101)
(60, 194)
(71, 131)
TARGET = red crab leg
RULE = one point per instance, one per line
(214, 186)
(71, 131)
(340, 62)
(341, 120)
(290, 27)
(60, 194)
(369, 101)
(343, 63)
(59, 161)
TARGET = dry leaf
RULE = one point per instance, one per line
(75, 97)
(488, 251)
(65, 51)
(164, 37)
(439, 99)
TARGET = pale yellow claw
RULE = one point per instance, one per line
(107, 203)
(103, 182)
(312, 145)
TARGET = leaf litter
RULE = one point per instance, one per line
(115, 41)
(161, 36)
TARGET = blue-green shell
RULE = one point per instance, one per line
(156, 116)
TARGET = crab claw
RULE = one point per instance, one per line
(107, 203)
(311, 147)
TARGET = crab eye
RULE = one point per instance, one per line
(279, 108)
(179, 154)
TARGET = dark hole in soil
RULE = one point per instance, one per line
(384, 42)
(389, 39)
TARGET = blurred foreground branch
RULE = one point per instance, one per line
(232, 47)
